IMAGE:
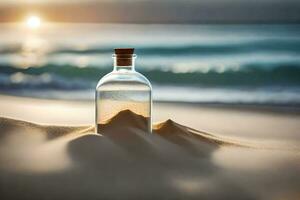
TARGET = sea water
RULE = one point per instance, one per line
(249, 64)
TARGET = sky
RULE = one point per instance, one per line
(154, 11)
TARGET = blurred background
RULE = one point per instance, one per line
(200, 51)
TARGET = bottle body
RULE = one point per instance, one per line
(123, 89)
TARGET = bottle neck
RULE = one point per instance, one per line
(124, 62)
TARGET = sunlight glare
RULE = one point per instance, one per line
(33, 22)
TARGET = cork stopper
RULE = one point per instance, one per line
(124, 56)
(124, 51)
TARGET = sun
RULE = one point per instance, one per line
(33, 22)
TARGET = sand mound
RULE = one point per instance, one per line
(9, 125)
(170, 129)
(125, 162)
(127, 129)
(126, 118)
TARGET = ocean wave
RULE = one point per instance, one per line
(277, 86)
(45, 81)
(271, 96)
(74, 77)
(265, 45)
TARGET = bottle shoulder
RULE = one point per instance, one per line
(119, 77)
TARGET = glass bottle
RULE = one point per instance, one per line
(124, 92)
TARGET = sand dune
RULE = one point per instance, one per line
(125, 162)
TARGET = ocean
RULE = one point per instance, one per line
(235, 64)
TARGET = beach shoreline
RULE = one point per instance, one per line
(265, 123)
(251, 107)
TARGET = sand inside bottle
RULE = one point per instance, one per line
(118, 98)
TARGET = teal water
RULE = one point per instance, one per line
(257, 64)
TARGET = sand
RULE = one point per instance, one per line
(44, 161)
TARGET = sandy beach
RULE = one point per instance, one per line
(48, 150)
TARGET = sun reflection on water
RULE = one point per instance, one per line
(33, 48)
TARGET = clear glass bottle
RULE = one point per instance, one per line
(123, 91)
